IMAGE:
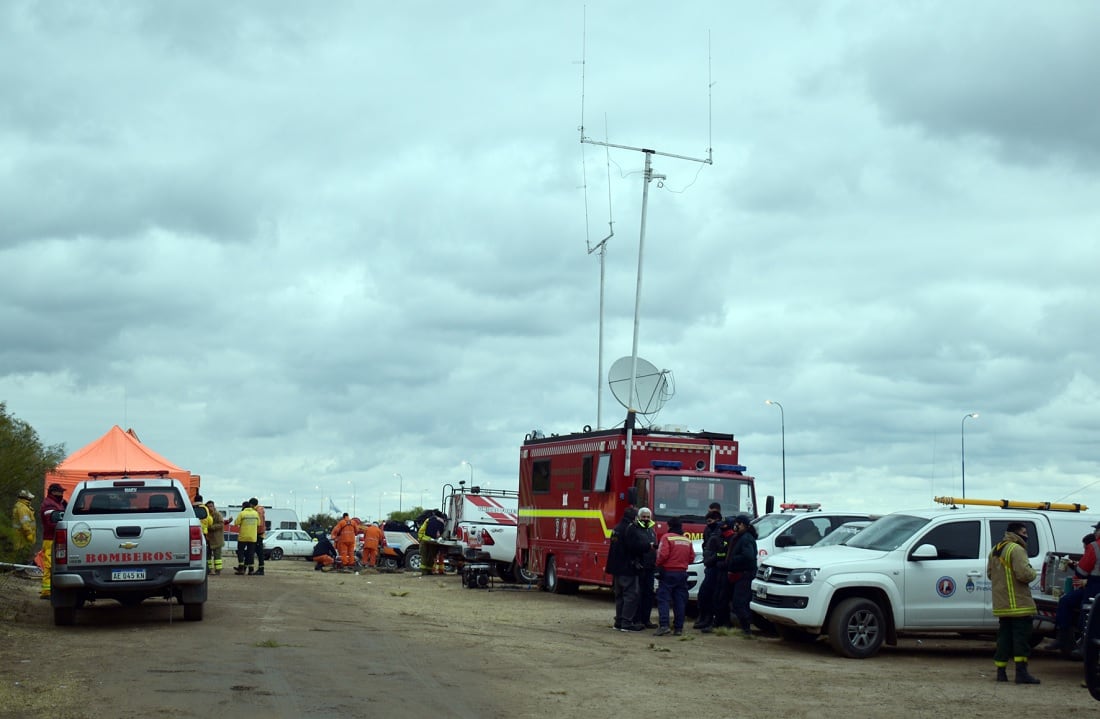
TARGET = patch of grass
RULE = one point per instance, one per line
(398, 594)
(269, 643)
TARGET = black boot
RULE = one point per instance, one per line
(1002, 674)
(1022, 675)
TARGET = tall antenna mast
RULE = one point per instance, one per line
(601, 246)
(647, 176)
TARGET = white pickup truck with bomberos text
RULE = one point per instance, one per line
(128, 539)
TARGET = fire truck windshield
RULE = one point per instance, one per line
(688, 496)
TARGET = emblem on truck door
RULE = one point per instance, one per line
(81, 535)
(127, 545)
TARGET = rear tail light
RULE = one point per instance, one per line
(196, 543)
(60, 548)
(1043, 586)
(486, 538)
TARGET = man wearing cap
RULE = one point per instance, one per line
(1010, 573)
(26, 531)
(1086, 582)
(54, 502)
(741, 568)
(714, 559)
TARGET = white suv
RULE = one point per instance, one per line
(798, 525)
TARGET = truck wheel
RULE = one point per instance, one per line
(856, 628)
(64, 616)
(552, 583)
(387, 562)
(412, 559)
(276, 553)
(522, 575)
(192, 612)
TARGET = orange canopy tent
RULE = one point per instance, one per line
(114, 454)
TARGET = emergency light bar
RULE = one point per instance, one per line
(665, 464)
(803, 505)
(732, 468)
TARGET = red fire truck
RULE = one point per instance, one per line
(574, 488)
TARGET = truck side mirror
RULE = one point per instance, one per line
(925, 551)
(201, 512)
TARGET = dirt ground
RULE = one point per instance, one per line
(298, 643)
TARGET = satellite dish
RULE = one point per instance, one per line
(650, 385)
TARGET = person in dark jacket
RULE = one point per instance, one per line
(714, 555)
(741, 568)
(625, 577)
(642, 538)
(723, 591)
(324, 554)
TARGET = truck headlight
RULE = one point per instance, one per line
(801, 576)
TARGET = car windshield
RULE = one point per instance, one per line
(769, 523)
(841, 534)
(688, 496)
(888, 533)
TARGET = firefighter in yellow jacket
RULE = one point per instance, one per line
(1010, 574)
(247, 522)
(26, 531)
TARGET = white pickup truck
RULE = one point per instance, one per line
(128, 539)
(907, 573)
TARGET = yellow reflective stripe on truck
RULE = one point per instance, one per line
(566, 514)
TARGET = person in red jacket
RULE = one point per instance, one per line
(54, 501)
(674, 554)
(343, 534)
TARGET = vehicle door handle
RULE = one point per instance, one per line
(973, 574)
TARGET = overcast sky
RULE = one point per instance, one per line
(303, 247)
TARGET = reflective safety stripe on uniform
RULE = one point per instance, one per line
(47, 565)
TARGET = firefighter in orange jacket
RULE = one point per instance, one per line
(373, 539)
(343, 534)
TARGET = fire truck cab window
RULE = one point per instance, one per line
(540, 476)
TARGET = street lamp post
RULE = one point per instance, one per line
(962, 447)
(783, 443)
(353, 512)
(400, 489)
(471, 471)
